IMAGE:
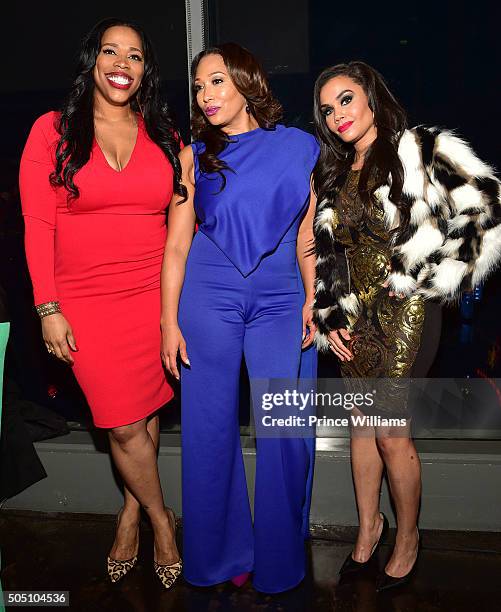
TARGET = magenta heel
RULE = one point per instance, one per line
(241, 579)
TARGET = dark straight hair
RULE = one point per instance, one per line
(75, 123)
(382, 160)
(251, 81)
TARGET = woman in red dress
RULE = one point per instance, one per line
(95, 181)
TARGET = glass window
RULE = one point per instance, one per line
(441, 68)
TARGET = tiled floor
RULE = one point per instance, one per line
(456, 572)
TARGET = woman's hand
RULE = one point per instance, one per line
(387, 282)
(392, 293)
(172, 342)
(58, 337)
(309, 328)
(337, 345)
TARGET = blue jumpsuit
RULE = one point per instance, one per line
(243, 295)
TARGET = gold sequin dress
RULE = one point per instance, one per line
(386, 333)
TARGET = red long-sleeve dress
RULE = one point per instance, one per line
(100, 257)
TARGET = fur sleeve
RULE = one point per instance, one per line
(472, 248)
(426, 231)
(462, 200)
(327, 311)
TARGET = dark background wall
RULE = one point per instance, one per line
(42, 44)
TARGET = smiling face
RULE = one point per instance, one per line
(119, 65)
(218, 98)
(345, 108)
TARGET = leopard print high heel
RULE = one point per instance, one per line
(169, 573)
(118, 568)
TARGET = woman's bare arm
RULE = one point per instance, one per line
(306, 261)
(181, 225)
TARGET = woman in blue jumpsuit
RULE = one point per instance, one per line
(232, 290)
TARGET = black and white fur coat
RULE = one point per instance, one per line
(453, 241)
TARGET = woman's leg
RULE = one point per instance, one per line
(404, 476)
(126, 534)
(272, 351)
(217, 521)
(367, 470)
(401, 458)
(135, 456)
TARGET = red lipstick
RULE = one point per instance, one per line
(345, 126)
(120, 80)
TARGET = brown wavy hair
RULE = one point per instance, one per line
(251, 81)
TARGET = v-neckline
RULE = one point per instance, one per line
(139, 127)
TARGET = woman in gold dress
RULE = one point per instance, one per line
(406, 220)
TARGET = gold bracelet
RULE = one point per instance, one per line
(49, 308)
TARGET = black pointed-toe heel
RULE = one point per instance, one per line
(384, 581)
(350, 565)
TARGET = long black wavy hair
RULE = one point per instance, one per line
(251, 81)
(382, 160)
(75, 123)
